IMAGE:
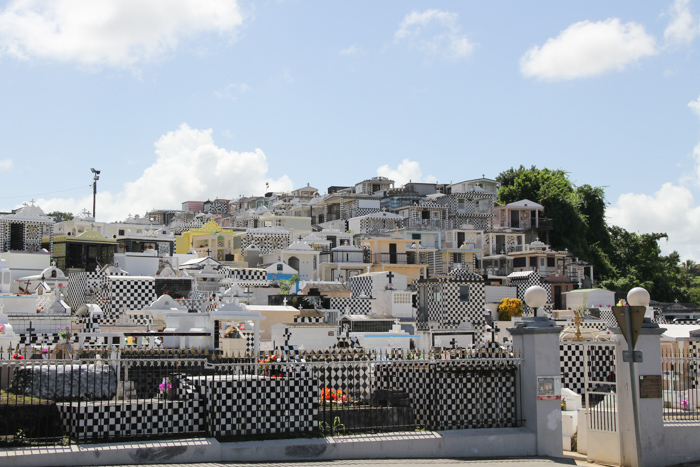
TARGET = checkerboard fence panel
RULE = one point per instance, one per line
(229, 398)
(457, 395)
(601, 364)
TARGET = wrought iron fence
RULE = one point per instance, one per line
(110, 394)
(681, 388)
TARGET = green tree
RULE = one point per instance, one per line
(59, 216)
(287, 284)
(567, 206)
(637, 261)
(622, 260)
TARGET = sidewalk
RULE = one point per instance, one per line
(392, 449)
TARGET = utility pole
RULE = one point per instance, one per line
(94, 191)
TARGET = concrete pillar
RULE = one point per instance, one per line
(537, 340)
(650, 409)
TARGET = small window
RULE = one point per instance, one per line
(542, 262)
(121, 232)
(464, 293)
(280, 267)
(437, 293)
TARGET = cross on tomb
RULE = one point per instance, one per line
(30, 329)
(390, 276)
(208, 252)
(494, 330)
(453, 343)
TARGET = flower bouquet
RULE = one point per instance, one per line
(165, 389)
(63, 333)
(333, 395)
(269, 370)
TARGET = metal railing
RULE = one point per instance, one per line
(394, 258)
(681, 385)
(111, 394)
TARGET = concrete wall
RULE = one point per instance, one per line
(487, 443)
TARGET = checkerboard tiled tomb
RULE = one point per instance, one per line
(249, 405)
(472, 396)
(109, 420)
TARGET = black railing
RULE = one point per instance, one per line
(681, 386)
(394, 258)
(134, 394)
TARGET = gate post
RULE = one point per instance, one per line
(537, 340)
(650, 407)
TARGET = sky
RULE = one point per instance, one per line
(183, 100)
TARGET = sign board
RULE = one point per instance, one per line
(650, 387)
(548, 388)
(636, 318)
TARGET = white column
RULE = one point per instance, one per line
(539, 347)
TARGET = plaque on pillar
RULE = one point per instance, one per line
(548, 388)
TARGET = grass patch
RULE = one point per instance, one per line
(9, 398)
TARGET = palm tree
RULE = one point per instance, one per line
(690, 267)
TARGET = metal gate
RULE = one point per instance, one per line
(600, 399)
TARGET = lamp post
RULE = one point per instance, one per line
(94, 191)
(630, 318)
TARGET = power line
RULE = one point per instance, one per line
(45, 193)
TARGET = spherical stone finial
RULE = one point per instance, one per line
(535, 296)
(638, 296)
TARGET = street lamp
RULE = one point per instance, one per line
(535, 297)
(630, 319)
(94, 191)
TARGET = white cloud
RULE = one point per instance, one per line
(352, 50)
(232, 91)
(588, 49)
(407, 171)
(435, 33)
(189, 166)
(671, 210)
(118, 33)
(683, 27)
(6, 164)
(695, 106)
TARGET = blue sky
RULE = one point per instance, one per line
(187, 100)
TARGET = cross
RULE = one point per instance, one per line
(30, 329)
(300, 237)
(494, 330)
(390, 275)
(453, 343)
(208, 252)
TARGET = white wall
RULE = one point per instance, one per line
(310, 337)
(138, 264)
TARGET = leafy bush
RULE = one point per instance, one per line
(509, 308)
